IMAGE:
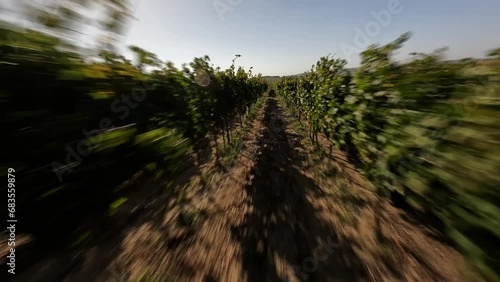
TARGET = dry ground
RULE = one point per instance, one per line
(282, 212)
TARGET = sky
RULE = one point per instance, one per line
(286, 37)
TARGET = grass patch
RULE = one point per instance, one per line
(113, 207)
(182, 198)
(52, 191)
(318, 156)
(151, 166)
(111, 139)
(82, 238)
(254, 109)
(230, 153)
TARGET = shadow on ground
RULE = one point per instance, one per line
(283, 237)
(147, 198)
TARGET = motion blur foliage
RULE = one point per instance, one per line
(425, 131)
(77, 126)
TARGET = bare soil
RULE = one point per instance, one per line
(281, 213)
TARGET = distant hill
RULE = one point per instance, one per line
(352, 70)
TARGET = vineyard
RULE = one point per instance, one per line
(135, 169)
(425, 132)
(76, 131)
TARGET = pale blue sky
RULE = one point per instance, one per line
(282, 37)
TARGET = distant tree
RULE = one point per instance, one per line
(70, 19)
(494, 53)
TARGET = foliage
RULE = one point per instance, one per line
(426, 130)
(76, 127)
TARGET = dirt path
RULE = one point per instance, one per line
(281, 213)
(273, 217)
